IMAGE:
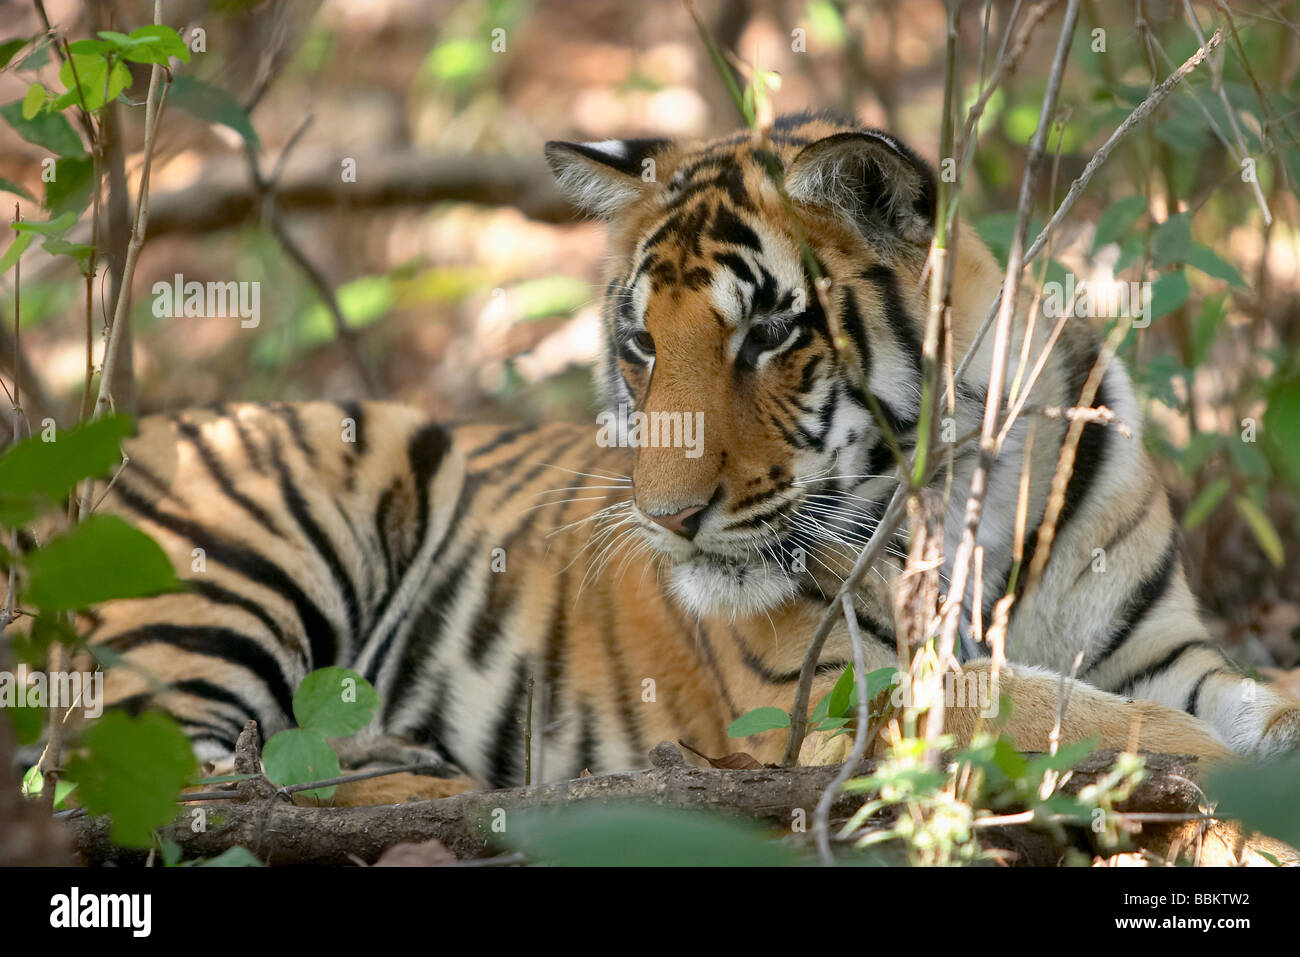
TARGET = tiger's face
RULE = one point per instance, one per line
(758, 467)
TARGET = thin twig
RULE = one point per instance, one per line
(269, 212)
(951, 615)
(7, 618)
(1140, 113)
(347, 779)
(861, 734)
(875, 545)
(152, 113)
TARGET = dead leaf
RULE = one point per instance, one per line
(736, 761)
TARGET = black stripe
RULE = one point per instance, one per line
(621, 692)
(900, 323)
(554, 655)
(1139, 603)
(222, 478)
(851, 323)
(293, 420)
(428, 634)
(586, 738)
(386, 501)
(1090, 454)
(223, 643)
(432, 731)
(252, 565)
(1125, 530)
(1194, 696)
(506, 755)
(245, 439)
(222, 596)
(1157, 668)
(756, 664)
(505, 437)
(355, 412)
(301, 513)
(737, 266)
(485, 631)
(220, 740)
(702, 635)
(730, 228)
(202, 688)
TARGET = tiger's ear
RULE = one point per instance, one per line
(601, 178)
(871, 179)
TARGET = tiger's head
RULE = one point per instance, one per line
(758, 466)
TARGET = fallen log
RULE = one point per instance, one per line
(282, 833)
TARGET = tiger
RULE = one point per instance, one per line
(614, 586)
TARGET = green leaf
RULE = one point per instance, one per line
(1168, 293)
(758, 720)
(1008, 760)
(51, 131)
(232, 857)
(9, 186)
(152, 43)
(81, 252)
(1206, 502)
(171, 852)
(10, 48)
(334, 701)
(33, 782)
(35, 474)
(16, 249)
(1209, 262)
(1262, 795)
(213, 105)
(879, 680)
(998, 229)
(94, 72)
(1207, 324)
(133, 770)
(1282, 425)
(1129, 252)
(88, 46)
(299, 756)
(632, 835)
(1249, 459)
(28, 722)
(100, 559)
(1119, 217)
(1066, 757)
(820, 710)
(841, 694)
(1171, 240)
(69, 190)
(34, 101)
(1265, 534)
(54, 227)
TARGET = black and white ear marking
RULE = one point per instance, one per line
(871, 179)
(601, 178)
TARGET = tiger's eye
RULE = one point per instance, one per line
(645, 342)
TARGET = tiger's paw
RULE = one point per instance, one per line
(1281, 731)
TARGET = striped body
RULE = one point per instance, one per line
(659, 591)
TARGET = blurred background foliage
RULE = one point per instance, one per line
(468, 288)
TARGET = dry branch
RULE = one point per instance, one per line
(285, 834)
(222, 196)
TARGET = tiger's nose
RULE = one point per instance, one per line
(684, 523)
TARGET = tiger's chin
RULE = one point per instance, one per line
(710, 585)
